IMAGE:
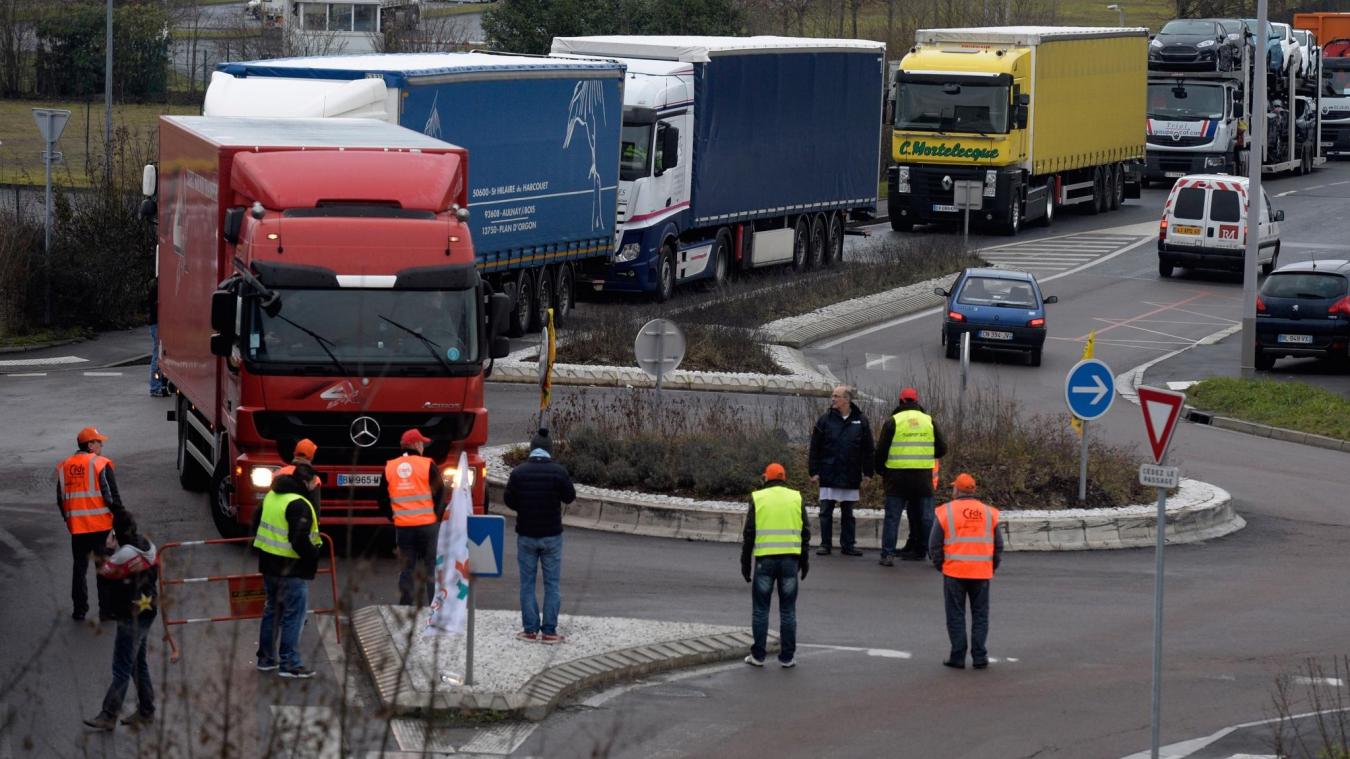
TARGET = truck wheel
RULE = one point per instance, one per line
(721, 261)
(1014, 223)
(519, 323)
(1049, 217)
(899, 224)
(665, 273)
(834, 247)
(191, 474)
(1098, 203)
(818, 241)
(543, 298)
(1117, 174)
(801, 244)
(223, 513)
(564, 294)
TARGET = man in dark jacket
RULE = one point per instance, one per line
(839, 458)
(131, 576)
(536, 491)
(905, 462)
(780, 553)
(287, 540)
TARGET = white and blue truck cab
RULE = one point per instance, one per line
(738, 153)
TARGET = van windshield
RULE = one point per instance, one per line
(952, 107)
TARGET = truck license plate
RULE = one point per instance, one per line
(1295, 338)
(989, 334)
(1183, 229)
(940, 207)
(358, 480)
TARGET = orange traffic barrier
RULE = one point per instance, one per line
(245, 592)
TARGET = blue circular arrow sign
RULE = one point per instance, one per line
(1089, 389)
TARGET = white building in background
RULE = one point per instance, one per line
(352, 27)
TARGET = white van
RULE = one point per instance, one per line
(1204, 226)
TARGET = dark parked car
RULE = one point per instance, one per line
(1000, 309)
(1304, 310)
(1196, 44)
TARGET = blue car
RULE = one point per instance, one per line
(1000, 309)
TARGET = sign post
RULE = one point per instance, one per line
(51, 122)
(1162, 409)
(487, 533)
(659, 348)
(1089, 391)
(967, 194)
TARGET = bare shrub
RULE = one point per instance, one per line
(1312, 709)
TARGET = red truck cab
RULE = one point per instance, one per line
(317, 280)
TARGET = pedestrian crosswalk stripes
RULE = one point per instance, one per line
(1056, 254)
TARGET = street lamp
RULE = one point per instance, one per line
(1120, 11)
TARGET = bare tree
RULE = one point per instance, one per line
(16, 40)
(430, 35)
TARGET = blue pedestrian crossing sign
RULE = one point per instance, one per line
(1089, 389)
(487, 535)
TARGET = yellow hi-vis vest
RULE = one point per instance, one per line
(273, 532)
(778, 521)
(912, 444)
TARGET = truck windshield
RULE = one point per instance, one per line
(952, 107)
(1335, 82)
(1179, 102)
(635, 158)
(369, 332)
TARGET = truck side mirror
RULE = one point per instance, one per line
(221, 345)
(670, 148)
(148, 210)
(234, 221)
(500, 347)
(1020, 116)
(1023, 99)
(499, 310)
(223, 312)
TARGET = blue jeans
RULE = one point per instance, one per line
(530, 553)
(920, 513)
(955, 592)
(769, 571)
(129, 664)
(417, 546)
(287, 599)
(156, 379)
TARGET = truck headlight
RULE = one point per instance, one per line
(902, 179)
(990, 183)
(450, 475)
(261, 477)
(628, 252)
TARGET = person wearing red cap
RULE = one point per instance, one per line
(410, 495)
(967, 546)
(778, 537)
(86, 494)
(907, 449)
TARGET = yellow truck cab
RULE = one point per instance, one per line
(1041, 117)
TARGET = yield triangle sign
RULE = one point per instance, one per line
(1162, 409)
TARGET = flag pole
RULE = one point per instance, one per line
(468, 639)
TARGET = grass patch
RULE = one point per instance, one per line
(714, 448)
(441, 11)
(1292, 405)
(45, 336)
(81, 142)
(720, 326)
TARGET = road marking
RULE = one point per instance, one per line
(43, 361)
(102, 374)
(28, 374)
(16, 545)
(884, 653)
(875, 360)
(938, 309)
(1186, 748)
(1286, 192)
(1334, 682)
(1158, 310)
(1127, 383)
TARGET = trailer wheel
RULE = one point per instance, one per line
(564, 294)
(1049, 217)
(1098, 203)
(665, 280)
(1117, 173)
(801, 244)
(223, 513)
(721, 261)
(543, 298)
(519, 322)
(834, 249)
(818, 241)
(191, 475)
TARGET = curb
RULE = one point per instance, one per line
(40, 346)
(623, 376)
(864, 316)
(543, 692)
(1198, 511)
(1193, 415)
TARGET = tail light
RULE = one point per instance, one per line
(1260, 305)
(1340, 307)
(1036, 323)
(955, 316)
(1162, 230)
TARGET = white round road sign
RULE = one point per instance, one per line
(659, 347)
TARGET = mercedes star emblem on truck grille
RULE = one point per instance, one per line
(365, 431)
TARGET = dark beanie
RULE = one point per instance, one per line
(541, 440)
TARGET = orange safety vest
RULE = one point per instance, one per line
(81, 497)
(968, 538)
(410, 490)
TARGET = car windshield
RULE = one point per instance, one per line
(1180, 102)
(995, 291)
(952, 107)
(364, 332)
(1272, 30)
(1299, 284)
(635, 156)
(1189, 27)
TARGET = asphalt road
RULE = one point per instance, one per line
(1071, 632)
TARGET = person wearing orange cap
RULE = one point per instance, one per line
(778, 538)
(410, 495)
(908, 447)
(86, 494)
(303, 453)
(967, 546)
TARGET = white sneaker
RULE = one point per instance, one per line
(752, 661)
(788, 664)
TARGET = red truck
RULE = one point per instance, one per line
(317, 280)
